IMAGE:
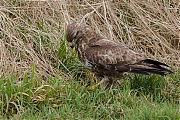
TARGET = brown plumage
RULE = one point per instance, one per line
(108, 58)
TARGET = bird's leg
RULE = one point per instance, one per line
(104, 81)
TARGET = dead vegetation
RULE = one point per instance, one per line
(31, 32)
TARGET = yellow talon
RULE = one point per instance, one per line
(96, 85)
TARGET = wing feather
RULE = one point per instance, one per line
(113, 57)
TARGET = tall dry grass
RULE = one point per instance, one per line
(30, 32)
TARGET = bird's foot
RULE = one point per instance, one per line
(92, 87)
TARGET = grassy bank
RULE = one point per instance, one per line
(137, 97)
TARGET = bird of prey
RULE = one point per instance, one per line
(108, 59)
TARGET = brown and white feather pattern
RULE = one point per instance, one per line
(109, 58)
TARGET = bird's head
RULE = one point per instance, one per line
(74, 33)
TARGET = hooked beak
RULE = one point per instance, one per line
(72, 46)
(76, 39)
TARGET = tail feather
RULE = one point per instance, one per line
(149, 66)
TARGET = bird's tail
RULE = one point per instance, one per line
(149, 66)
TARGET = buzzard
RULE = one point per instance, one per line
(109, 59)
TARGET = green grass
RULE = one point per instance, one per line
(138, 97)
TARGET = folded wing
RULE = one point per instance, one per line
(117, 57)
